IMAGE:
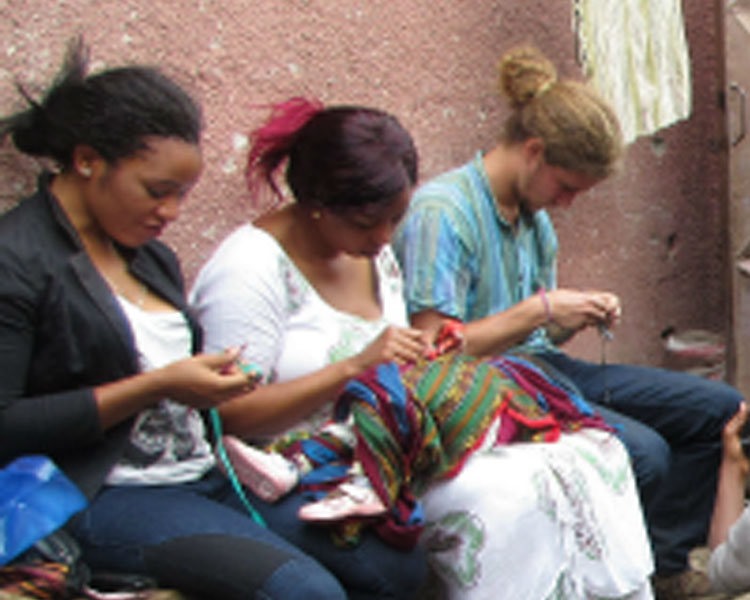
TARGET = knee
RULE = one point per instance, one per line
(717, 400)
(238, 568)
(718, 403)
(729, 400)
(301, 579)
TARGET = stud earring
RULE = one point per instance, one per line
(85, 171)
(315, 214)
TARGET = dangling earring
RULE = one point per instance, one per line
(315, 214)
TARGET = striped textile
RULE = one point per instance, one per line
(421, 422)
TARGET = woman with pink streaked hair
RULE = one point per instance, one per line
(312, 292)
(102, 369)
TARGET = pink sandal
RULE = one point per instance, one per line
(347, 500)
(268, 475)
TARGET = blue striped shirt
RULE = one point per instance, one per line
(460, 256)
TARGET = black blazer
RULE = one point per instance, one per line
(62, 332)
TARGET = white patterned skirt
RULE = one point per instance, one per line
(539, 521)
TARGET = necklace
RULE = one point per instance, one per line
(108, 262)
(138, 300)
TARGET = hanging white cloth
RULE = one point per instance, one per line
(636, 55)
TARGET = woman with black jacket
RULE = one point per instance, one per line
(100, 363)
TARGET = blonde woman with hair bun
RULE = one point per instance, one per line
(579, 130)
(478, 245)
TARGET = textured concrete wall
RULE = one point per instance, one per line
(653, 233)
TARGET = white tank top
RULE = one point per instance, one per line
(167, 442)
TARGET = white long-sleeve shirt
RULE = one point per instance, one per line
(729, 565)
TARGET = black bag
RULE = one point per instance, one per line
(52, 568)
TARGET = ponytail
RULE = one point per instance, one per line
(272, 142)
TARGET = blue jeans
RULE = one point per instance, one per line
(197, 538)
(671, 424)
(370, 570)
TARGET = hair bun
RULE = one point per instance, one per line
(30, 131)
(525, 73)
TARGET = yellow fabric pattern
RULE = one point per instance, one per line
(636, 55)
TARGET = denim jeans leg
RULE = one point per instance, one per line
(186, 537)
(650, 455)
(368, 571)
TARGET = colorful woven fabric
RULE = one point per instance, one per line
(45, 580)
(421, 422)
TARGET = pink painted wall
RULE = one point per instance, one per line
(653, 233)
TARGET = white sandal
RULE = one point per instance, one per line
(347, 500)
(268, 475)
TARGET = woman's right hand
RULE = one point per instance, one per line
(204, 380)
(399, 344)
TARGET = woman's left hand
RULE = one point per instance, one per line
(205, 380)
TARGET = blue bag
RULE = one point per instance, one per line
(36, 498)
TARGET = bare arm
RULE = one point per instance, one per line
(569, 311)
(200, 381)
(491, 335)
(274, 407)
(730, 492)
